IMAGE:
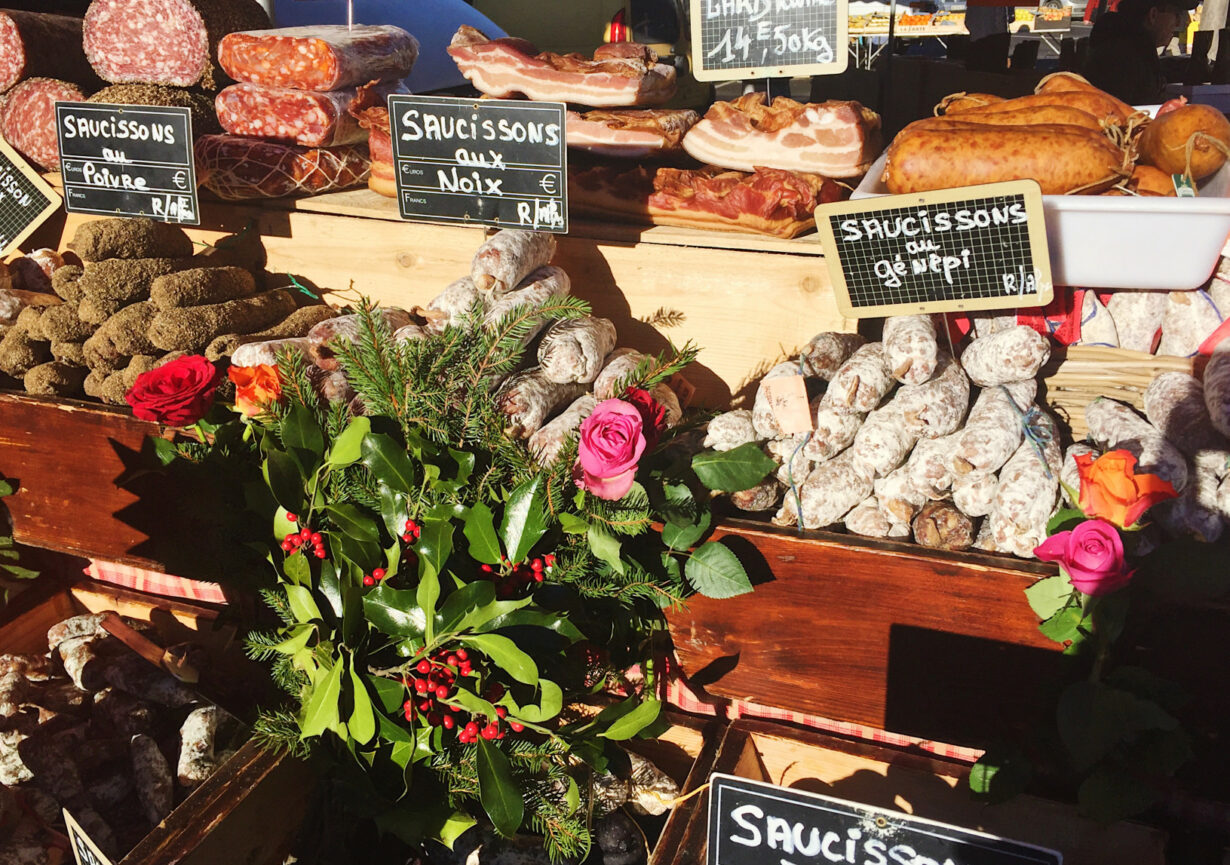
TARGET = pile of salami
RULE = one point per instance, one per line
(961, 453)
(292, 120)
(93, 728)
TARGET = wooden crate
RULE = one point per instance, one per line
(248, 810)
(896, 780)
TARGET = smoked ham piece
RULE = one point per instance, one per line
(835, 139)
(629, 134)
(620, 73)
(766, 201)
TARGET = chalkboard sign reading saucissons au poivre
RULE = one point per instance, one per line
(128, 160)
(768, 38)
(26, 200)
(500, 162)
(753, 823)
(972, 248)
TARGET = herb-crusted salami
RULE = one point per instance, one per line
(102, 239)
(827, 351)
(911, 348)
(508, 257)
(297, 324)
(201, 285)
(28, 118)
(861, 382)
(1011, 355)
(193, 328)
(528, 398)
(319, 57)
(39, 45)
(573, 350)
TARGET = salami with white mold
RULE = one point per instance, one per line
(994, 429)
(1217, 388)
(574, 350)
(1116, 425)
(829, 493)
(1011, 355)
(884, 441)
(1026, 495)
(911, 347)
(1190, 317)
(869, 520)
(827, 351)
(897, 495)
(729, 430)
(324, 338)
(539, 287)
(834, 432)
(450, 306)
(941, 526)
(508, 257)
(930, 466)
(974, 493)
(861, 382)
(936, 407)
(547, 442)
(1175, 406)
(763, 416)
(528, 398)
(1195, 512)
(619, 364)
(1138, 318)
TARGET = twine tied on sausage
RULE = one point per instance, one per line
(1037, 432)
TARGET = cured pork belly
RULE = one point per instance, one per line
(629, 134)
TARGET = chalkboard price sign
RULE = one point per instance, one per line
(972, 248)
(85, 851)
(26, 200)
(128, 160)
(768, 38)
(752, 823)
(498, 162)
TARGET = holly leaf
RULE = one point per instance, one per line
(1000, 774)
(1047, 597)
(394, 612)
(435, 544)
(302, 604)
(463, 602)
(504, 653)
(388, 462)
(633, 722)
(391, 694)
(427, 593)
(572, 524)
(353, 522)
(605, 547)
(284, 480)
(730, 471)
(321, 710)
(715, 572)
(301, 431)
(362, 723)
(549, 705)
(479, 529)
(524, 520)
(497, 791)
(533, 618)
(1111, 794)
(348, 446)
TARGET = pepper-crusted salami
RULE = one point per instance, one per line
(28, 118)
(163, 41)
(319, 57)
(861, 382)
(911, 348)
(1217, 388)
(102, 239)
(994, 429)
(936, 407)
(573, 350)
(201, 285)
(763, 417)
(193, 328)
(729, 430)
(297, 324)
(1175, 406)
(827, 351)
(236, 168)
(38, 45)
(548, 441)
(830, 492)
(528, 398)
(1115, 425)
(204, 119)
(294, 116)
(1011, 355)
(1138, 318)
(508, 257)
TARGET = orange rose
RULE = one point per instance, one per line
(256, 387)
(1111, 490)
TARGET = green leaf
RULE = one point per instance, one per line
(454, 827)
(549, 705)
(524, 519)
(393, 732)
(681, 537)
(297, 569)
(282, 526)
(331, 588)
(302, 604)
(715, 572)
(1064, 521)
(478, 618)
(1000, 774)
(1111, 794)
(321, 712)
(730, 471)
(394, 611)
(353, 522)
(473, 703)
(1065, 626)
(388, 462)
(479, 530)
(299, 636)
(605, 547)
(461, 603)
(362, 723)
(391, 694)
(465, 464)
(19, 573)
(435, 544)
(393, 510)
(573, 797)
(1047, 597)
(300, 430)
(284, 480)
(632, 723)
(572, 524)
(504, 653)
(426, 594)
(348, 446)
(1094, 718)
(497, 791)
(533, 618)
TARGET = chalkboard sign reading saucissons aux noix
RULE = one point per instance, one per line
(128, 160)
(768, 38)
(500, 162)
(26, 200)
(972, 248)
(753, 823)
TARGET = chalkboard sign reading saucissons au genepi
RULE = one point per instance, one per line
(753, 823)
(500, 162)
(768, 38)
(973, 248)
(26, 200)
(128, 160)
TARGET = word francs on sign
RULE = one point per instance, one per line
(753, 823)
(972, 248)
(85, 851)
(498, 162)
(26, 200)
(128, 160)
(768, 38)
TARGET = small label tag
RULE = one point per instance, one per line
(787, 397)
(1183, 186)
(85, 851)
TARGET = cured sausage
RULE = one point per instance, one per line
(1217, 388)
(827, 351)
(295, 116)
(101, 239)
(204, 119)
(574, 350)
(1097, 325)
(940, 526)
(870, 520)
(201, 285)
(1138, 318)
(539, 287)
(1116, 425)
(829, 493)
(898, 497)
(547, 443)
(450, 306)
(163, 41)
(1099, 104)
(834, 432)
(319, 57)
(1011, 355)
(957, 102)
(729, 430)
(994, 429)
(937, 407)
(884, 441)
(1064, 115)
(38, 45)
(1026, 495)
(527, 399)
(193, 328)
(28, 118)
(1062, 159)
(862, 381)
(763, 416)
(1164, 143)
(1059, 82)
(237, 168)
(974, 493)
(508, 257)
(620, 365)
(325, 336)
(909, 343)
(930, 466)
(1191, 316)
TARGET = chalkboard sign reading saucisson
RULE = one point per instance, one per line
(85, 851)
(498, 162)
(26, 200)
(128, 160)
(768, 38)
(972, 248)
(753, 823)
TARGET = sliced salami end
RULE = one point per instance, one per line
(320, 57)
(295, 116)
(38, 45)
(28, 118)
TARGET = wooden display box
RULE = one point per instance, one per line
(250, 809)
(895, 780)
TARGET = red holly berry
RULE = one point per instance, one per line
(471, 729)
(420, 685)
(454, 708)
(379, 573)
(489, 732)
(435, 719)
(305, 533)
(287, 546)
(295, 541)
(442, 693)
(501, 711)
(292, 518)
(409, 712)
(425, 705)
(424, 666)
(536, 565)
(448, 722)
(515, 727)
(486, 569)
(368, 581)
(317, 538)
(462, 654)
(320, 552)
(451, 660)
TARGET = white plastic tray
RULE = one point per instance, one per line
(1126, 241)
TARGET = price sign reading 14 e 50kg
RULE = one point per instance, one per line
(128, 160)
(768, 38)
(498, 162)
(972, 248)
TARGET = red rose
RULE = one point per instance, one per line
(175, 394)
(653, 414)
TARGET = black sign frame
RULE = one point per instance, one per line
(154, 177)
(736, 39)
(913, 271)
(855, 827)
(20, 217)
(463, 141)
(85, 851)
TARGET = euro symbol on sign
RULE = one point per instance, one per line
(548, 184)
(180, 179)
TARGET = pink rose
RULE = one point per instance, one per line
(612, 440)
(1091, 555)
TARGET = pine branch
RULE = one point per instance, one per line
(277, 730)
(655, 368)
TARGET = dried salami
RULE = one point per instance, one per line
(1138, 318)
(539, 287)
(729, 430)
(528, 398)
(834, 432)
(266, 352)
(1011, 355)
(861, 382)
(549, 440)
(994, 429)
(941, 526)
(39, 45)
(1195, 512)
(869, 520)
(1189, 319)
(897, 495)
(1097, 325)
(1026, 495)
(829, 493)
(793, 464)
(884, 441)
(573, 350)
(193, 328)
(1175, 406)
(237, 168)
(1217, 388)
(28, 118)
(102, 239)
(974, 493)
(163, 41)
(938, 406)
(930, 466)
(827, 351)
(295, 116)
(911, 348)
(319, 57)
(508, 257)
(761, 497)
(1115, 425)
(451, 305)
(325, 336)
(620, 364)
(201, 106)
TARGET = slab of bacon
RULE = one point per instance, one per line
(836, 139)
(620, 73)
(765, 201)
(370, 110)
(629, 134)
